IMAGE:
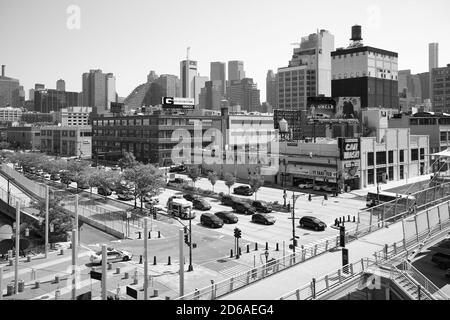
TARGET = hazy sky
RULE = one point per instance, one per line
(130, 38)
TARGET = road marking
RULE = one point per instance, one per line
(240, 268)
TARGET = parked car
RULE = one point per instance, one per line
(112, 255)
(227, 216)
(211, 220)
(177, 196)
(83, 186)
(317, 187)
(243, 191)
(177, 168)
(125, 196)
(201, 204)
(47, 176)
(328, 188)
(442, 260)
(262, 218)
(151, 199)
(305, 185)
(312, 223)
(190, 197)
(227, 200)
(104, 191)
(55, 177)
(243, 208)
(261, 206)
(40, 173)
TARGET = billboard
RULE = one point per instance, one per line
(349, 148)
(321, 107)
(348, 107)
(117, 107)
(178, 103)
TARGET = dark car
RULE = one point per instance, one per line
(81, 185)
(210, 220)
(227, 216)
(312, 223)
(227, 200)
(261, 206)
(442, 260)
(243, 191)
(177, 168)
(262, 218)
(104, 191)
(243, 208)
(190, 197)
(125, 196)
(201, 204)
(55, 177)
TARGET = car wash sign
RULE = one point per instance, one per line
(178, 103)
(349, 148)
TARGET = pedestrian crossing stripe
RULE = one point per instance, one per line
(238, 269)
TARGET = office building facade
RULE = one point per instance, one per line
(73, 116)
(9, 114)
(67, 141)
(188, 71)
(271, 89)
(236, 70)
(99, 89)
(244, 93)
(61, 85)
(440, 81)
(218, 73)
(9, 90)
(46, 101)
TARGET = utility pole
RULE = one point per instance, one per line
(181, 259)
(294, 237)
(145, 258)
(16, 264)
(47, 196)
(76, 217)
(190, 268)
(104, 264)
(74, 264)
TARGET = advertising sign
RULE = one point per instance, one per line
(348, 107)
(321, 107)
(349, 148)
(117, 107)
(178, 103)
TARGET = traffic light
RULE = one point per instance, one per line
(237, 233)
(186, 236)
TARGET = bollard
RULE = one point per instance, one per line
(277, 247)
(348, 218)
(167, 298)
(70, 245)
(56, 279)
(149, 235)
(309, 197)
(231, 253)
(256, 246)
(248, 248)
(340, 219)
(139, 235)
(21, 285)
(168, 261)
(61, 252)
(28, 258)
(154, 260)
(117, 270)
(159, 234)
(33, 274)
(140, 259)
(354, 219)
(343, 218)
(126, 275)
(109, 266)
(37, 284)
(155, 292)
(57, 294)
(240, 251)
(10, 289)
(11, 262)
(267, 246)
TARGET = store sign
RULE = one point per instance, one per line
(349, 148)
(178, 103)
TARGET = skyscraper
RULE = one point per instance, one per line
(244, 93)
(271, 89)
(187, 74)
(433, 62)
(99, 89)
(170, 84)
(198, 84)
(211, 96)
(235, 70)
(61, 85)
(218, 73)
(9, 90)
(440, 80)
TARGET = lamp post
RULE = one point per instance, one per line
(9, 190)
(190, 268)
(294, 237)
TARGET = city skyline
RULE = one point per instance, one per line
(103, 40)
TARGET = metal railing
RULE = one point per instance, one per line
(396, 275)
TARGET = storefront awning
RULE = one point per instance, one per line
(445, 153)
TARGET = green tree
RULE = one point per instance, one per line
(193, 172)
(61, 221)
(256, 182)
(127, 161)
(4, 145)
(146, 180)
(107, 179)
(212, 177)
(230, 180)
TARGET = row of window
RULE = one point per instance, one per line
(388, 158)
(363, 53)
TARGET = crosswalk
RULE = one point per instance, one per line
(237, 269)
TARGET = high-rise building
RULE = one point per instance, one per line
(49, 100)
(433, 62)
(271, 89)
(218, 73)
(410, 90)
(9, 90)
(170, 84)
(31, 94)
(244, 93)
(365, 72)
(187, 74)
(293, 89)
(198, 84)
(211, 95)
(152, 76)
(61, 85)
(440, 80)
(99, 89)
(39, 86)
(236, 70)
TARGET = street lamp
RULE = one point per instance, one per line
(294, 237)
(9, 190)
(190, 268)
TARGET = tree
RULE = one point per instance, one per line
(212, 177)
(230, 180)
(127, 161)
(61, 221)
(77, 172)
(4, 145)
(193, 172)
(256, 182)
(146, 179)
(106, 179)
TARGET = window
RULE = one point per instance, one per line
(381, 157)
(72, 133)
(422, 153)
(370, 176)
(402, 172)
(414, 154)
(370, 159)
(391, 173)
(390, 156)
(443, 136)
(402, 156)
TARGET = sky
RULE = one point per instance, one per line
(42, 41)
